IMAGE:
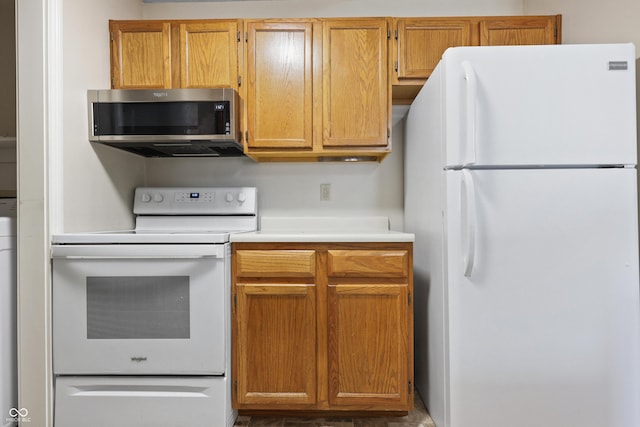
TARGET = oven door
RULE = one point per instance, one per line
(140, 309)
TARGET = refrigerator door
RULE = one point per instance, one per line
(542, 298)
(540, 105)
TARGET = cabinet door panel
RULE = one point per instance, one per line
(140, 55)
(279, 87)
(275, 263)
(421, 43)
(368, 346)
(209, 54)
(355, 92)
(275, 345)
(518, 31)
(368, 263)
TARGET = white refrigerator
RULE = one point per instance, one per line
(520, 187)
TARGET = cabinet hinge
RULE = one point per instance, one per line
(246, 135)
(246, 37)
(235, 301)
(396, 34)
(113, 81)
(388, 133)
(239, 80)
(395, 65)
(388, 33)
(111, 35)
(239, 36)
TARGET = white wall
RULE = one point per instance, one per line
(35, 26)
(97, 182)
(592, 21)
(293, 189)
(330, 8)
(49, 123)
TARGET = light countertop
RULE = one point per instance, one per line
(324, 229)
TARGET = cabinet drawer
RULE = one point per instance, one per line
(275, 263)
(368, 263)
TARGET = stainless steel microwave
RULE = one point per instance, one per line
(167, 122)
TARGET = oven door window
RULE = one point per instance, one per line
(134, 307)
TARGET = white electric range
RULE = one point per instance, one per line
(141, 318)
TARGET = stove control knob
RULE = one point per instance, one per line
(146, 198)
(158, 198)
(229, 197)
(242, 197)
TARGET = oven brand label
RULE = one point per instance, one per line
(139, 359)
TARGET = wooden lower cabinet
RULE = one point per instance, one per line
(368, 345)
(276, 347)
(322, 327)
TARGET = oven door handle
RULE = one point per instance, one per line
(97, 252)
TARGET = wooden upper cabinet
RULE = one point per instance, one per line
(140, 54)
(521, 30)
(356, 100)
(209, 54)
(420, 43)
(175, 54)
(317, 88)
(279, 84)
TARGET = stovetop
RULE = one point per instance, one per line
(180, 215)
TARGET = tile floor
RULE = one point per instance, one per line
(416, 418)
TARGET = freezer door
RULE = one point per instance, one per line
(543, 303)
(540, 105)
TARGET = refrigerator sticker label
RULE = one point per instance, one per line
(618, 65)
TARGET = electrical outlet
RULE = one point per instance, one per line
(325, 192)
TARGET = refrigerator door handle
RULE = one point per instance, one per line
(471, 98)
(468, 221)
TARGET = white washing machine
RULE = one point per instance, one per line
(8, 355)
